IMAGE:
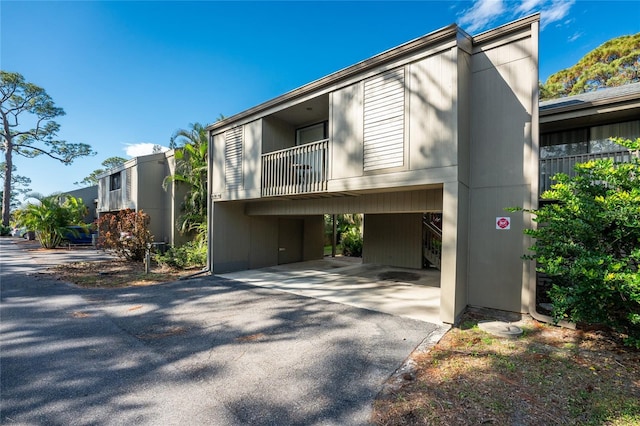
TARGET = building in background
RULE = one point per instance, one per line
(138, 185)
(89, 196)
(578, 128)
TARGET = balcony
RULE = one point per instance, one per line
(551, 166)
(298, 170)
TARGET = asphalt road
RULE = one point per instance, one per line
(201, 351)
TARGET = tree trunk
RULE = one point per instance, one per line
(6, 194)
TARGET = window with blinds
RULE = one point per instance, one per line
(233, 158)
(384, 98)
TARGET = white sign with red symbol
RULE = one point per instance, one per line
(503, 223)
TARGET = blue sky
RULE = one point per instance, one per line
(128, 74)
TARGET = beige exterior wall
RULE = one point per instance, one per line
(232, 237)
(453, 279)
(276, 134)
(503, 101)
(430, 128)
(432, 119)
(345, 132)
(422, 200)
(313, 238)
(247, 242)
(393, 239)
(149, 194)
(264, 237)
(172, 200)
(216, 166)
(251, 162)
(461, 107)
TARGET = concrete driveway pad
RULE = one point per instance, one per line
(203, 351)
(409, 293)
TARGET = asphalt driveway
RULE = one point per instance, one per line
(203, 351)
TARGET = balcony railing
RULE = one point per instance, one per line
(298, 170)
(550, 166)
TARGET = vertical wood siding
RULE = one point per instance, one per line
(393, 239)
(384, 120)
(128, 185)
(103, 194)
(419, 201)
(233, 158)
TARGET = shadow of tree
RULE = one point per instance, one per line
(195, 351)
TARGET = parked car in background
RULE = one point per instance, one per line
(19, 232)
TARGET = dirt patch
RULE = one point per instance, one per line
(549, 376)
(115, 273)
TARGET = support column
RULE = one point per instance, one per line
(453, 278)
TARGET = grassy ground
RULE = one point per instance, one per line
(328, 249)
(549, 376)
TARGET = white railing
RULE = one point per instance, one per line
(298, 170)
(550, 166)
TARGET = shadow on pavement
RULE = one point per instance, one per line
(205, 350)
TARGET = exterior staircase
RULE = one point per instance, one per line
(432, 240)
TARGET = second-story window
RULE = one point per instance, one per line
(115, 181)
(313, 133)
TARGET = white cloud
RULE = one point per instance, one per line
(556, 11)
(481, 14)
(140, 149)
(528, 7)
(484, 13)
(575, 36)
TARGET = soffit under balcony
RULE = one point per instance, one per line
(307, 112)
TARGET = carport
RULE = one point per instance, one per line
(410, 293)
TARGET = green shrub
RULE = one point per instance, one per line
(50, 216)
(588, 244)
(190, 255)
(5, 230)
(352, 243)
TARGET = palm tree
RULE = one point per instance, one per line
(191, 170)
(51, 216)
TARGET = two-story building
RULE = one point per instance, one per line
(138, 185)
(446, 123)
